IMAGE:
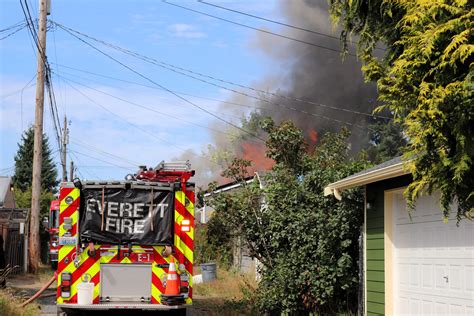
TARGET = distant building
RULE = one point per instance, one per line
(7, 196)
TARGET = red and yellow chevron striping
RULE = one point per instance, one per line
(79, 262)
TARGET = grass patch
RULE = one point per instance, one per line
(9, 306)
(230, 294)
(228, 285)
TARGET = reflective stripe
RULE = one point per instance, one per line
(184, 210)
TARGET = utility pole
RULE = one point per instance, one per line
(71, 171)
(34, 244)
(65, 141)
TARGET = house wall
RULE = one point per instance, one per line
(375, 280)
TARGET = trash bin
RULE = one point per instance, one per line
(208, 271)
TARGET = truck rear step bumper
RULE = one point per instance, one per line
(121, 305)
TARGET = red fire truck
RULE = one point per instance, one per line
(53, 230)
(121, 242)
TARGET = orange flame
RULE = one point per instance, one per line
(312, 140)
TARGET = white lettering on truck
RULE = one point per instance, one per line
(125, 218)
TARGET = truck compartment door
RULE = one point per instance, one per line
(125, 282)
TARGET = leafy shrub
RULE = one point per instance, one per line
(306, 242)
(213, 243)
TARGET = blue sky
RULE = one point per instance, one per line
(129, 130)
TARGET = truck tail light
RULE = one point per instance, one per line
(184, 284)
(185, 225)
(66, 281)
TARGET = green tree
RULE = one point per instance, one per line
(307, 243)
(425, 78)
(23, 177)
(23, 200)
(386, 141)
(24, 164)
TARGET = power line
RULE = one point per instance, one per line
(271, 103)
(31, 28)
(17, 24)
(269, 20)
(99, 166)
(185, 72)
(164, 88)
(92, 174)
(253, 107)
(56, 59)
(149, 86)
(53, 107)
(130, 123)
(101, 160)
(19, 90)
(206, 98)
(12, 33)
(148, 108)
(260, 30)
(103, 152)
(276, 22)
(235, 91)
(115, 114)
(49, 87)
(7, 170)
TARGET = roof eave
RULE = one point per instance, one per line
(389, 172)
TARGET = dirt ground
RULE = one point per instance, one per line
(27, 285)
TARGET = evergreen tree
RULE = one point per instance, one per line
(24, 164)
(424, 77)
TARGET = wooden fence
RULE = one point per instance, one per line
(13, 238)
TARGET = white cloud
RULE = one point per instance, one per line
(186, 31)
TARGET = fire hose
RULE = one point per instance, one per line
(38, 294)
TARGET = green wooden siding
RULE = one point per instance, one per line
(375, 252)
(375, 285)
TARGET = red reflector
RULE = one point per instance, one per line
(184, 283)
(66, 283)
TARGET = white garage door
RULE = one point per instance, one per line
(433, 261)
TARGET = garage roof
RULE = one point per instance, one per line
(389, 169)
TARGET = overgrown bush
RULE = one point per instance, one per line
(306, 242)
(213, 243)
